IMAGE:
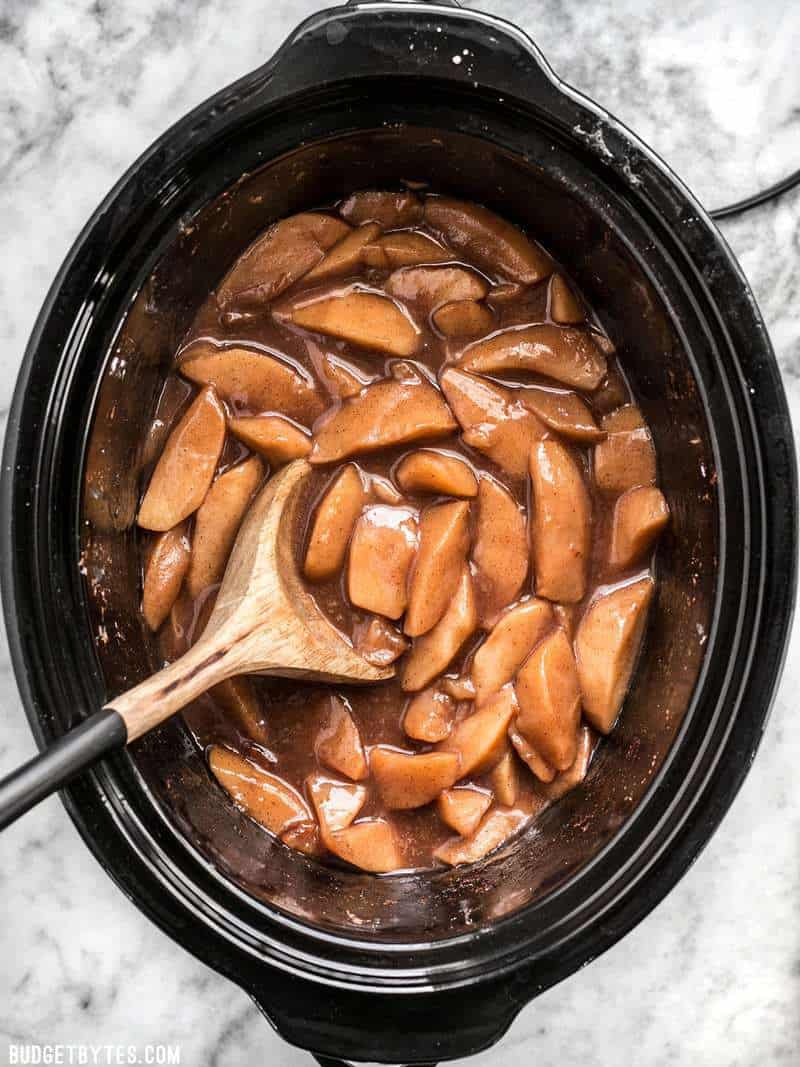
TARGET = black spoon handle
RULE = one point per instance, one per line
(100, 734)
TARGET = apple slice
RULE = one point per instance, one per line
(463, 318)
(166, 568)
(500, 552)
(639, 517)
(549, 698)
(265, 797)
(411, 779)
(303, 837)
(561, 526)
(335, 803)
(184, 472)
(340, 378)
(238, 700)
(573, 775)
(562, 304)
(345, 256)
(627, 458)
(272, 436)
(392, 211)
(359, 316)
(404, 249)
(430, 287)
(378, 641)
(504, 779)
(511, 641)
(429, 716)
(432, 653)
(370, 844)
(497, 826)
(338, 743)
(463, 807)
(480, 739)
(606, 647)
(382, 548)
(440, 559)
(565, 616)
(217, 522)
(436, 473)
(333, 524)
(538, 766)
(563, 353)
(563, 412)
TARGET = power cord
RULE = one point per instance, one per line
(756, 199)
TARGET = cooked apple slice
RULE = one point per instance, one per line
(404, 249)
(432, 653)
(303, 837)
(336, 803)
(384, 490)
(497, 826)
(440, 559)
(639, 517)
(217, 523)
(550, 700)
(573, 775)
(265, 797)
(273, 436)
(493, 420)
(511, 641)
(504, 779)
(487, 239)
(184, 472)
(429, 716)
(364, 318)
(334, 520)
(381, 552)
(565, 618)
(563, 306)
(561, 523)
(627, 458)
(560, 352)
(480, 739)
(392, 211)
(378, 642)
(500, 552)
(238, 700)
(411, 779)
(437, 473)
(565, 413)
(459, 687)
(463, 318)
(278, 259)
(345, 256)
(172, 402)
(606, 647)
(391, 412)
(340, 378)
(430, 287)
(338, 743)
(370, 844)
(163, 576)
(538, 766)
(253, 379)
(463, 807)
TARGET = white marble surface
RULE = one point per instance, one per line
(713, 976)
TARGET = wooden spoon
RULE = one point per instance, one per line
(264, 622)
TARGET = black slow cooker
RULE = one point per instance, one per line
(436, 965)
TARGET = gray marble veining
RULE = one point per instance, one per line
(712, 977)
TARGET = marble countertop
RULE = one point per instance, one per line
(712, 977)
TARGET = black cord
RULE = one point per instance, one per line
(756, 199)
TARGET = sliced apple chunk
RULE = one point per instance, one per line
(303, 837)
(254, 380)
(497, 826)
(345, 256)
(336, 803)
(370, 844)
(565, 781)
(606, 647)
(493, 420)
(432, 652)
(458, 686)
(561, 526)
(430, 287)
(382, 548)
(627, 458)
(217, 522)
(338, 743)
(340, 378)
(237, 698)
(392, 211)
(563, 306)
(404, 249)
(437, 473)
(538, 766)
(463, 318)
(391, 412)
(411, 779)
(265, 797)
(166, 568)
(378, 642)
(487, 239)
(511, 641)
(463, 807)
(565, 616)
(184, 473)
(480, 739)
(549, 698)
(565, 413)
(278, 259)
(429, 716)
(504, 779)
(639, 517)
(333, 524)
(439, 562)
(359, 316)
(500, 552)
(272, 436)
(563, 353)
